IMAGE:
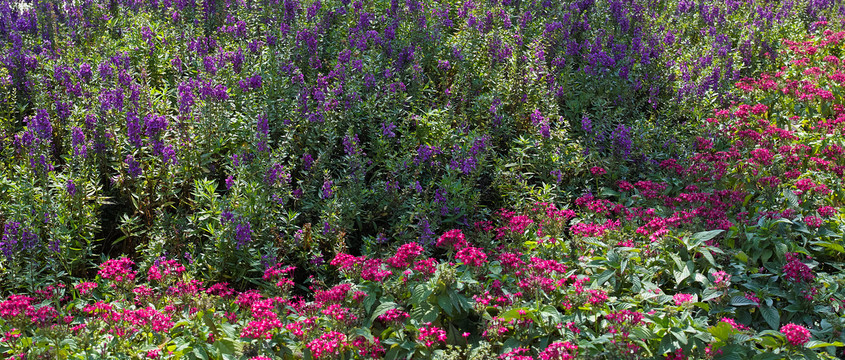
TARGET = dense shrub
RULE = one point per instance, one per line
(512, 179)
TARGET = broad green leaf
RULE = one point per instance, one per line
(602, 278)
(771, 316)
(700, 237)
(741, 301)
(381, 309)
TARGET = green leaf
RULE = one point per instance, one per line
(445, 303)
(679, 334)
(602, 278)
(700, 237)
(431, 315)
(814, 344)
(684, 272)
(381, 309)
(771, 316)
(722, 331)
(741, 301)
(420, 294)
(791, 198)
(768, 356)
(710, 294)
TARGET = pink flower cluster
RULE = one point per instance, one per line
(429, 335)
(453, 238)
(734, 324)
(328, 346)
(404, 255)
(148, 318)
(334, 295)
(472, 256)
(367, 269)
(280, 274)
(393, 316)
(165, 269)
(796, 335)
(559, 351)
(797, 271)
(681, 299)
(85, 287)
(118, 270)
(721, 279)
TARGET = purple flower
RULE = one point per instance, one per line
(243, 234)
(16, 239)
(387, 129)
(307, 161)
(40, 124)
(586, 124)
(80, 147)
(71, 188)
(9, 241)
(327, 189)
(621, 141)
(168, 155)
(105, 70)
(275, 174)
(177, 64)
(154, 124)
(134, 167)
(133, 129)
(210, 65)
(230, 181)
(85, 72)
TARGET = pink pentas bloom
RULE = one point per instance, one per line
(164, 269)
(828, 211)
(518, 224)
(220, 289)
(16, 305)
(559, 351)
(814, 222)
(681, 299)
(426, 267)
(598, 171)
(85, 287)
(346, 263)
(762, 156)
(734, 324)
(405, 255)
(452, 238)
(372, 270)
(517, 354)
(805, 184)
(335, 295)
(796, 335)
(721, 279)
(472, 256)
(393, 316)
(261, 329)
(119, 270)
(597, 297)
(429, 335)
(280, 274)
(797, 271)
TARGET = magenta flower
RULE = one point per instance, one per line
(796, 335)
(681, 299)
(429, 335)
(472, 256)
